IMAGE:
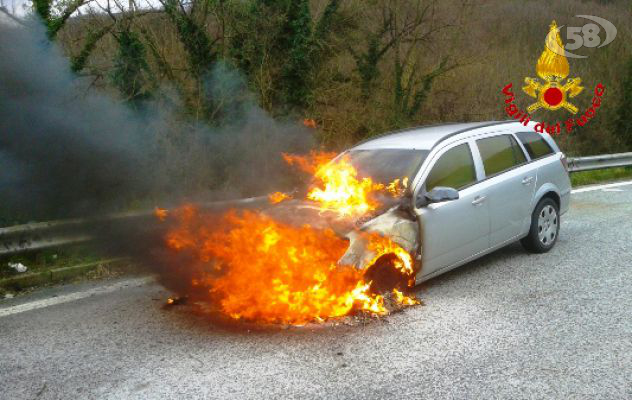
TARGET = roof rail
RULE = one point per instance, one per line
(485, 125)
(482, 125)
(412, 128)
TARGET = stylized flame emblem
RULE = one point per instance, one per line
(552, 68)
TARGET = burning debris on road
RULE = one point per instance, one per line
(176, 301)
(290, 263)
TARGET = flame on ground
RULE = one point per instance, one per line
(258, 269)
(403, 299)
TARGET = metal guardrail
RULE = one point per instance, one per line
(42, 235)
(36, 236)
(579, 164)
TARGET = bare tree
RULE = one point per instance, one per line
(405, 36)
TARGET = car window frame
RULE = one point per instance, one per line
(431, 160)
(553, 151)
(510, 134)
(419, 180)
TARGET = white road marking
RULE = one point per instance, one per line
(601, 187)
(20, 308)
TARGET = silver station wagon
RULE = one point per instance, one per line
(474, 188)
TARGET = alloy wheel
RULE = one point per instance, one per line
(547, 225)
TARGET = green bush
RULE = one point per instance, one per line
(623, 122)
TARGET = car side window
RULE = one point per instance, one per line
(455, 169)
(535, 144)
(500, 153)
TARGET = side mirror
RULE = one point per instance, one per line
(436, 195)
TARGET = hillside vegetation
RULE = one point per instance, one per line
(358, 68)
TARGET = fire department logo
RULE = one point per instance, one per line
(552, 67)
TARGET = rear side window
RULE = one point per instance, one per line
(455, 169)
(500, 153)
(535, 144)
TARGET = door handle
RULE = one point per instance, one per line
(478, 200)
(527, 180)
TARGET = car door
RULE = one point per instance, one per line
(455, 230)
(510, 182)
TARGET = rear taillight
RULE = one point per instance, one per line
(564, 162)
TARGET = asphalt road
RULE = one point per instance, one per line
(509, 326)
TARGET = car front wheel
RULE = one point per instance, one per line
(545, 227)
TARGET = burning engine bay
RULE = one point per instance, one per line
(344, 248)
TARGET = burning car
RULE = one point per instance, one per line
(377, 219)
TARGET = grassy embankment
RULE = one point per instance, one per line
(48, 267)
(601, 176)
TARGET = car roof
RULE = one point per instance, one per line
(423, 137)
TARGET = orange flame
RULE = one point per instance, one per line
(398, 186)
(161, 213)
(381, 245)
(310, 163)
(342, 191)
(266, 271)
(278, 197)
(310, 123)
(258, 269)
(338, 187)
(403, 299)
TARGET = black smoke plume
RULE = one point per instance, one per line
(67, 149)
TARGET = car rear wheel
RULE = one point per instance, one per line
(545, 227)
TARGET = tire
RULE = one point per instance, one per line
(545, 227)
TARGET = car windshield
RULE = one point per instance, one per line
(386, 165)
